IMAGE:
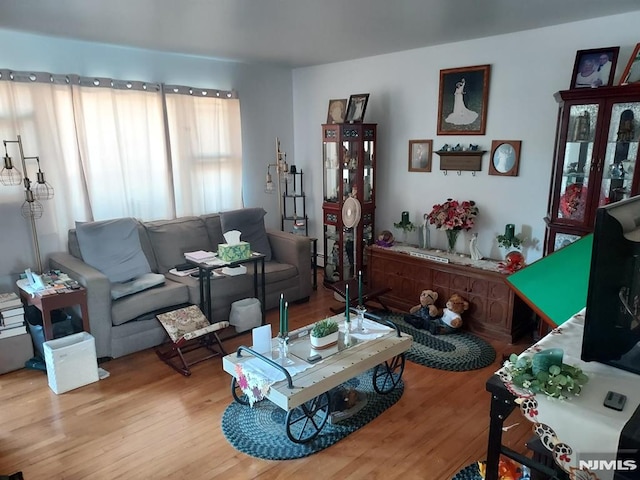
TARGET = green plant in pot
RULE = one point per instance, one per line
(324, 334)
(542, 375)
(324, 327)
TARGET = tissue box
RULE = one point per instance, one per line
(233, 253)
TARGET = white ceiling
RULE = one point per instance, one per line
(294, 33)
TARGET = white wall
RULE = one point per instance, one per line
(266, 104)
(526, 70)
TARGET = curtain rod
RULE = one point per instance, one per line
(73, 79)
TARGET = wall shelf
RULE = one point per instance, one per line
(466, 161)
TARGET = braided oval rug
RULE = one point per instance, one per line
(260, 430)
(456, 352)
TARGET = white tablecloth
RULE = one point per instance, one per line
(580, 425)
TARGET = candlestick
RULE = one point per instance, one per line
(281, 312)
(286, 318)
(346, 292)
(360, 287)
(509, 230)
(405, 218)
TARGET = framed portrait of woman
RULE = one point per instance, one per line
(594, 68)
(462, 101)
(337, 109)
(505, 158)
(420, 155)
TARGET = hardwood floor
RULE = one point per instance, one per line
(145, 421)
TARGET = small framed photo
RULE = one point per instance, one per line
(632, 70)
(505, 158)
(594, 68)
(420, 155)
(462, 101)
(337, 109)
(356, 108)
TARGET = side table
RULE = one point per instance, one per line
(54, 301)
(206, 270)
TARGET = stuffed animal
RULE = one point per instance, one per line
(451, 319)
(421, 315)
(427, 302)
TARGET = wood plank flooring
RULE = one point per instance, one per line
(148, 422)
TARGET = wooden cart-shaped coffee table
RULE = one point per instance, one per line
(305, 397)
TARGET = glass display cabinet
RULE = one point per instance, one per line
(349, 159)
(595, 158)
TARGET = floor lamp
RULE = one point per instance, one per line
(282, 170)
(42, 190)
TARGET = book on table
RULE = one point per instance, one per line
(199, 256)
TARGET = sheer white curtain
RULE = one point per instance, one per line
(206, 149)
(38, 107)
(122, 145)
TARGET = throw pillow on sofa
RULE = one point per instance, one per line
(113, 247)
(250, 222)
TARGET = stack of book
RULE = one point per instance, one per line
(11, 315)
(200, 256)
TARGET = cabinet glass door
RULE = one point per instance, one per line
(578, 165)
(621, 153)
(368, 171)
(332, 172)
(349, 168)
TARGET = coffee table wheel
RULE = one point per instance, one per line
(305, 421)
(387, 375)
(237, 393)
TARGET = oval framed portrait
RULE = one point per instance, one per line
(505, 158)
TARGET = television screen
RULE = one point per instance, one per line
(612, 320)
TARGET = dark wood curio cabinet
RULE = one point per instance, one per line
(349, 159)
(596, 156)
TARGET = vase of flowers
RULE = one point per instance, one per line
(453, 216)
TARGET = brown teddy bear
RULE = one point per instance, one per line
(451, 319)
(422, 315)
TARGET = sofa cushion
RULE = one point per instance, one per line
(130, 307)
(214, 229)
(138, 284)
(172, 238)
(113, 247)
(250, 222)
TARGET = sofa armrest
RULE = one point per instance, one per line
(295, 250)
(98, 296)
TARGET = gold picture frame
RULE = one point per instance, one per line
(463, 99)
(420, 152)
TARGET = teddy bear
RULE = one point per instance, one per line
(451, 319)
(420, 316)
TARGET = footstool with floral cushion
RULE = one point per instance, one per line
(188, 329)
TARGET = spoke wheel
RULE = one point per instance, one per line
(305, 421)
(387, 375)
(237, 393)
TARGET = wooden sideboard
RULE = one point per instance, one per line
(495, 312)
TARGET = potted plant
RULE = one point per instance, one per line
(324, 334)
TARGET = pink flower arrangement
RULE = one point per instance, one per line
(453, 215)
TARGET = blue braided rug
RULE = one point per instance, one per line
(260, 430)
(456, 352)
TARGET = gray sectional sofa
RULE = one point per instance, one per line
(128, 324)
